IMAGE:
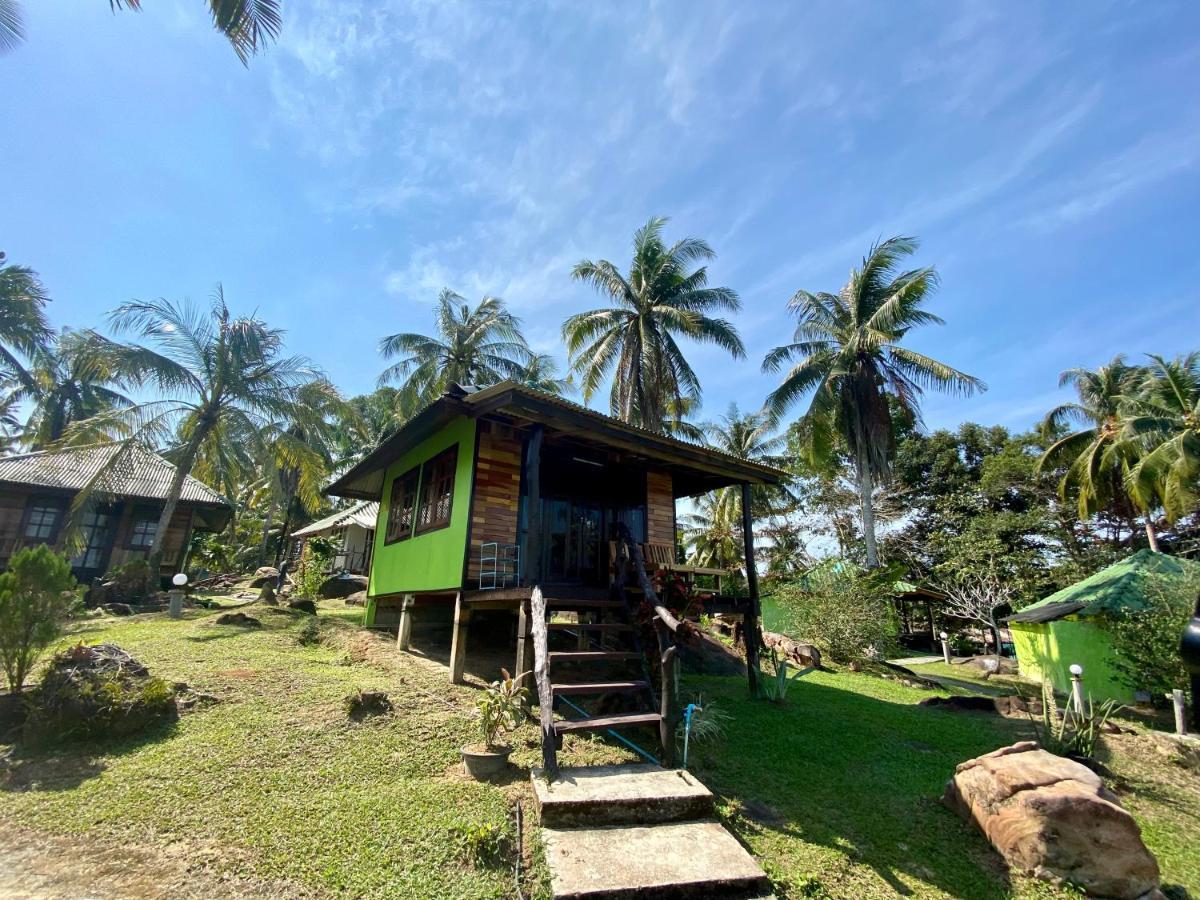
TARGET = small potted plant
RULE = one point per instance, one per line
(501, 709)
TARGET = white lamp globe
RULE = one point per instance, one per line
(945, 636)
(1076, 669)
(179, 580)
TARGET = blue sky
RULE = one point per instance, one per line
(1046, 154)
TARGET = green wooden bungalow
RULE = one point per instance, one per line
(1070, 626)
(489, 492)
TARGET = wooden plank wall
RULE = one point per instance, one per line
(660, 508)
(497, 492)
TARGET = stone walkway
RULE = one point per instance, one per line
(639, 831)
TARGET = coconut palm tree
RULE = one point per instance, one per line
(479, 346)
(247, 24)
(541, 373)
(661, 300)
(1163, 421)
(221, 381)
(713, 531)
(69, 381)
(847, 351)
(1097, 455)
(750, 436)
(23, 326)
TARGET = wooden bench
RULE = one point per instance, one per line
(662, 557)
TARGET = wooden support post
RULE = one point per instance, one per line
(533, 499)
(523, 667)
(541, 675)
(666, 726)
(752, 630)
(404, 632)
(458, 648)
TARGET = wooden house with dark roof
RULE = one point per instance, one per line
(487, 494)
(37, 491)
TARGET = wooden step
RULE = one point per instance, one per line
(581, 603)
(599, 687)
(603, 723)
(559, 656)
(592, 626)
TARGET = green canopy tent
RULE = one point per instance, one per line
(1070, 625)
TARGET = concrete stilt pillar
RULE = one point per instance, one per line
(404, 633)
(458, 648)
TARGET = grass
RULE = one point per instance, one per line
(835, 792)
(967, 677)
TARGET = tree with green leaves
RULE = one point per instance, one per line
(661, 300)
(541, 373)
(69, 380)
(1096, 455)
(713, 532)
(37, 591)
(473, 346)
(1162, 420)
(847, 352)
(23, 326)
(247, 24)
(219, 382)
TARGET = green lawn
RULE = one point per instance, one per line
(835, 792)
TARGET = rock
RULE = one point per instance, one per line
(1054, 819)
(118, 609)
(1180, 750)
(304, 605)
(1017, 705)
(264, 575)
(804, 655)
(962, 703)
(238, 618)
(267, 594)
(343, 586)
(358, 598)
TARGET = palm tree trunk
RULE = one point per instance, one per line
(182, 469)
(1150, 535)
(866, 487)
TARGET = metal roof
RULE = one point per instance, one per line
(365, 480)
(1050, 612)
(138, 472)
(362, 514)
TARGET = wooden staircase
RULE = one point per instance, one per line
(608, 672)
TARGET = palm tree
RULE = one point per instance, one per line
(713, 531)
(847, 351)
(23, 326)
(246, 24)
(661, 300)
(479, 346)
(69, 381)
(221, 382)
(1163, 420)
(749, 436)
(367, 421)
(541, 373)
(1096, 455)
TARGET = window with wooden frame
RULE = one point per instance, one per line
(402, 507)
(437, 491)
(43, 518)
(142, 528)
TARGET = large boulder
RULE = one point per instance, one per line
(803, 655)
(238, 618)
(264, 575)
(358, 598)
(339, 586)
(304, 605)
(1054, 818)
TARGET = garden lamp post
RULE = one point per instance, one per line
(945, 647)
(179, 582)
(1077, 687)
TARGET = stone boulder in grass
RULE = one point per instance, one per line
(264, 575)
(337, 586)
(97, 691)
(1053, 818)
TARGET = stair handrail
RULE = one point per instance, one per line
(634, 553)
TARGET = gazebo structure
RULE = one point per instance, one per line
(1070, 627)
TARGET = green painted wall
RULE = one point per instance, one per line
(431, 561)
(1046, 651)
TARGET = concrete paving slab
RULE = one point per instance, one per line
(620, 795)
(654, 862)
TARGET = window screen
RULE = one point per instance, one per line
(437, 490)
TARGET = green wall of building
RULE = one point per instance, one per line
(1045, 652)
(431, 561)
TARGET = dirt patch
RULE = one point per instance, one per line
(239, 673)
(56, 867)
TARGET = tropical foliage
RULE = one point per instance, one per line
(473, 346)
(847, 353)
(659, 301)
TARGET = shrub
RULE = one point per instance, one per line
(129, 581)
(310, 634)
(501, 707)
(484, 845)
(1075, 733)
(1146, 642)
(775, 687)
(36, 594)
(310, 573)
(97, 692)
(846, 612)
